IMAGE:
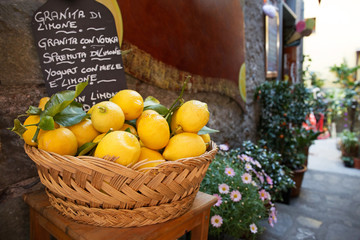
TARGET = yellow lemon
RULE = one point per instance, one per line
(149, 155)
(84, 131)
(184, 145)
(98, 138)
(61, 140)
(90, 110)
(130, 101)
(30, 132)
(242, 82)
(192, 116)
(119, 144)
(42, 102)
(174, 124)
(107, 116)
(206, 138)
(143, 114)
(154, 131)
(128, 126)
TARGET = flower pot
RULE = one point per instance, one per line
(285, 197)
(298, 176)
(356, 162)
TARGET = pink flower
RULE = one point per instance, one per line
(247, 158)
(263, 194)
(224, 188)
(269, 180)
(219, 200)
(271, 222)
(272, 209)
(216, 221)
(224, 147)
(235, 196)
(248, 166)
(230, 172)
(246, 178)
(260, 177)
(257, 164)
(273, 214)
(253, 228)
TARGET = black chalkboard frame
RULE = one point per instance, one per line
(272, 46)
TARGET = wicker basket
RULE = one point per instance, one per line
(100, 192)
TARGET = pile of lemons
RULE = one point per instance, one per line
(123, 130)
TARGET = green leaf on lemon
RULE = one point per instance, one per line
(47, 123)
(150, 100)
(85, 148)
(33, 111)
(59, 101)
(161, 109)
(206, 130)
(18, 128)
(71, 115)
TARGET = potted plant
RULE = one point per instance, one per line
(305, 138)
(284, 110)
(242, 200)
(350, 147)
(349, 143)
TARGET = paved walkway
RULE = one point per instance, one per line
(328, 207)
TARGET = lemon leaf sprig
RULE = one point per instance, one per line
(61, 108)
(151, 103)
(178, 101)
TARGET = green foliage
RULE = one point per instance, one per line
(310, 78)
(280, 175)
(237, 216)
(345, 76)
(305, 138)
(336, 104)
(61, 108)
(349, 143)
(151, 103)
(284, 110)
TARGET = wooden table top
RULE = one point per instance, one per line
(39, 201)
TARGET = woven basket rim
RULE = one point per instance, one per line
(211, 151)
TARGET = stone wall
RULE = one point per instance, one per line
(21, 85)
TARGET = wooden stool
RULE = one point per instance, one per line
(46, 221)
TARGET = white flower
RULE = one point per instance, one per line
(235, 196)
(248, 166)
(253, 228)
(224, 147)
(257, 164)
(216, 221)
(230, 172)
(219, 200)
(224, 188)
(246, 178)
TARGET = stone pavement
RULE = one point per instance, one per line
(328, 207)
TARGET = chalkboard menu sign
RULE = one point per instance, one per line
(77, 41)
